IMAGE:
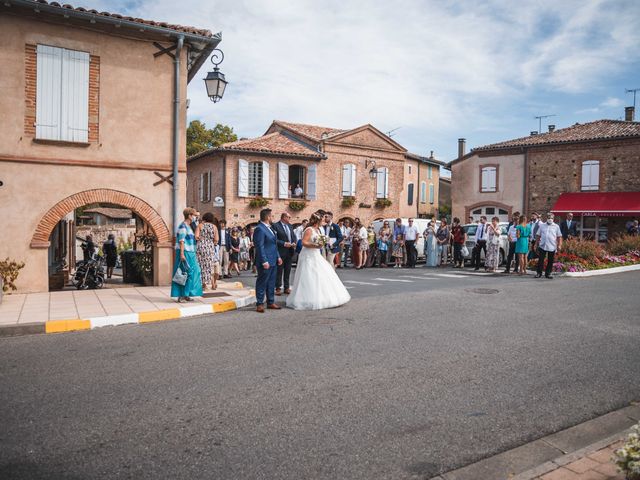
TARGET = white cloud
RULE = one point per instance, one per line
(437, 69)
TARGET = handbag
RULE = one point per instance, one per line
(464, 251)
(181, 275)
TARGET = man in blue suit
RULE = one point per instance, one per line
(267, 259)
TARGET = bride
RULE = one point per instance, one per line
(316, 285)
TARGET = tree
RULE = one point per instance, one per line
(200, 138)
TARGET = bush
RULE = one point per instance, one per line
(621, 244)
(586, 249)
(9, 271)
(297, 206)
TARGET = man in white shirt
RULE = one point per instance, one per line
(411, 235)
(300, 229)
(298, 191)
(346, 242)
(548, 241)
(481, 243)
(225, 246)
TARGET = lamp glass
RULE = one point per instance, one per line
(216, 84)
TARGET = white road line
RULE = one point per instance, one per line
(361, 283)
(393, 280)
(413, 276)
(450, 275)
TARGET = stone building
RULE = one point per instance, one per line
(591, 170)
(301, 168)
(79, 88)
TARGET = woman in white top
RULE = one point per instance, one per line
(363, 235)
(317, 285)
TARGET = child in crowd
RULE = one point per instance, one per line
(397, 251)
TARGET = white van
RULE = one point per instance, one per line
(421, 223)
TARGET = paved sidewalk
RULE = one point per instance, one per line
(56, 312)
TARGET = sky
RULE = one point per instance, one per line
(429, 71)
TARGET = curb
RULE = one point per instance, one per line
(548, 453)
(604, 271)
(78, 324)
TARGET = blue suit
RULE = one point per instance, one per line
(266, 248)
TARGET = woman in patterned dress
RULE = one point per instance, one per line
(186, 260)
(207, 237)
(493, 245)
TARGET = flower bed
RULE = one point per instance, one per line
(585, 255)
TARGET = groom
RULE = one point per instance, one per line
(267, 258)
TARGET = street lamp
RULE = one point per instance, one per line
(373, 173)
(215, 81)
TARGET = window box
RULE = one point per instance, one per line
(348, 202)
(258, 202)
(383, 203)
(297, 206)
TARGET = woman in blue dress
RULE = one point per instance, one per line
(431, 245)
(186, 256)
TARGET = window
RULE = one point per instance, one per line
(502, 211)
(409, 169)
(477, 211)
(423, 192)
(348, 180)
(62, 94)
(490, 210)
(431, 193)
(255, 179)
(382, 183)
(488, 176)
(205, 187)
(429, 172)
(410, 194)
(591, 175)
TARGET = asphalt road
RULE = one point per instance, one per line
(408, 380)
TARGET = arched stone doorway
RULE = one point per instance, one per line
(162, 248)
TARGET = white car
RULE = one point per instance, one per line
(421, 223)
(470, 229)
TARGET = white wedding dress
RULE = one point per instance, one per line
(316, 285)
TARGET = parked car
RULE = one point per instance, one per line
(470, 229)
(421, 223)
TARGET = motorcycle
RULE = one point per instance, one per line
(89, 273)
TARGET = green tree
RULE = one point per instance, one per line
(200, 138)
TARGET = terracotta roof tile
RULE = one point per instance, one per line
(313, 132)
(598, 130)
(178, 28)
(111, 212)
(273, 143)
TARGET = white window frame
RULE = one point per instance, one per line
(255, 187)
(429, 172)
(348, 180)
(205, 187)
(382, 183)
(423, 192)
(488, 179)
(590, 181)
(62, 94)
(432, 195)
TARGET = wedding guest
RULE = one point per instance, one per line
(523, 232)
(372, 253)
(245, 244)
(234, 254)
(332, 231)
(355, 243)
(363, 236)
(443, 235)
(286, 241)
(397, 251)
(569, 228)
(384, 242)
(430, 245)
(534, 224)
(400, 229)
(634, 230)
(252, 250)
(492, 259)
(481, 243)
(300, 228)
(186, 260)
(225, 246)
(459, 240)
(110, 251)
(411, 236)
(206, 238)
(513, 238)
(346, 242)
(548, 241)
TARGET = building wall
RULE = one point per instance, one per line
(419, 208)
(465, 184)
(133, 88)
(216, 165)
(556, 170)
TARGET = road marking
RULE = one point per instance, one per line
(361, 283)
(414, 276)
(393, 280)
(450, 275)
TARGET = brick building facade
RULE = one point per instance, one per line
(352, 173)
(593, 163)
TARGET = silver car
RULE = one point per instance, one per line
(470, 230)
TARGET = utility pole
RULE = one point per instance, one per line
(632, 90)
(540, 117)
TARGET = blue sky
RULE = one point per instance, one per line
(437, 70)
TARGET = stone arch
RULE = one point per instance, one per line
(43, 231)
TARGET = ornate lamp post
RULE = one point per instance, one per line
(373, 173)
(215, 81)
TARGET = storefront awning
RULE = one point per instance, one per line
(604, 204)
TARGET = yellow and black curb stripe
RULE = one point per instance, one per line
(76, 324)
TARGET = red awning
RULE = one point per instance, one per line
(604, 204)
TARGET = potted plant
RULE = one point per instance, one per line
(144, 261)
(364, 205)
(9, 271)
(258, 202)
(348, 202)
(383, 202)
(296, 206)
(627, 457)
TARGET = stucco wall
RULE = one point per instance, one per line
(465, 184)
(419, 208)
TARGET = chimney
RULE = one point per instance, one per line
(462, 146)
(551, 128)
(629, 113)
(431, 156)
(534, 132)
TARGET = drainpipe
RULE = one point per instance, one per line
(525, 186)
(418, 190)
(176, 132)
